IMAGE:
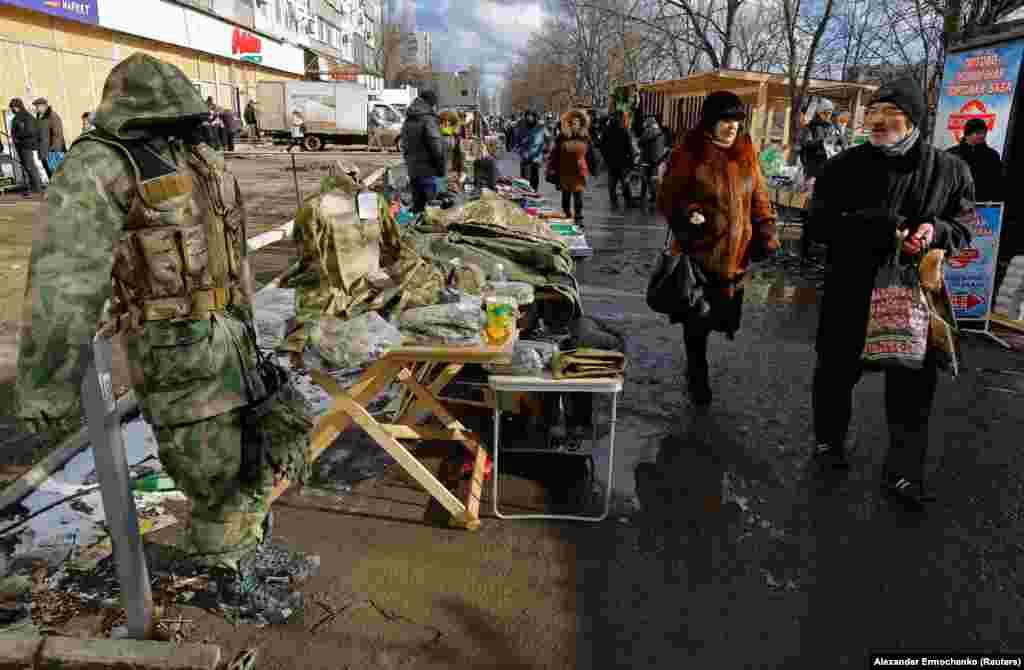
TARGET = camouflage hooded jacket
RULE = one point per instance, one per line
(181, 370)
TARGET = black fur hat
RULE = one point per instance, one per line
(720, 106)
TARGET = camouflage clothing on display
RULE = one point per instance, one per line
(139, 208)
(400, 279)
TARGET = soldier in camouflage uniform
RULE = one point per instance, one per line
(143, 213)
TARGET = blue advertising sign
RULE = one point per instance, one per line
(978, 84)
(84, 11)
(971, 274)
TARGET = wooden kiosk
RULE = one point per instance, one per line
(769, 107)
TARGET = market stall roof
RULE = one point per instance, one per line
(748, 85)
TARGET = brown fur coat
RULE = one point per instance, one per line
(569, 159)
(727, 187)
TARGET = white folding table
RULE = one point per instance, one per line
(547, 384)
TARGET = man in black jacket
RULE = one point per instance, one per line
(619, 156)
(423, 149)
(868, 199)
(984, 161)
(654, 148)
(25, 133)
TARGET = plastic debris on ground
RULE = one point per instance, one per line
(78, 523)
(273, 311)
(262, 592)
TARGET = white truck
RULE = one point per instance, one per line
(398, 98)
(335, 112)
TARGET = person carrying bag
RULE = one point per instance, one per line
(715, 200)
(888, 210)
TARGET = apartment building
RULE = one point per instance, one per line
(417, 49)
(65, 51)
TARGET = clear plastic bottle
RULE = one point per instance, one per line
(501, 311)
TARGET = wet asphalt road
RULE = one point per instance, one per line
(732, 552)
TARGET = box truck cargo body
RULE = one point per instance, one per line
(334, 112)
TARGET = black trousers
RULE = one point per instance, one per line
(909, 395)
(650, 172)
(28, 162)
(696, 341)
(531, 172)
(614, 177)
(570, 198)
(227, 139)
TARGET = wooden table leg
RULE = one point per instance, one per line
(336, 421)
(408, 462)
(473, 445)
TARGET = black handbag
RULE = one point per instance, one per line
(676, 286)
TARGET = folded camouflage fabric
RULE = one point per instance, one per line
(459, 323)
(580, 363)
(542, 263)
(492, 210)
(352, 343)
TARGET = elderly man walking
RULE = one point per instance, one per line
(905, 189)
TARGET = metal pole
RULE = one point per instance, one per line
(118, 501)
(295, 173)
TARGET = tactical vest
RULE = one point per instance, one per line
(180, 253)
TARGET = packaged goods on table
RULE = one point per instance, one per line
(349, 344)
(459, 323)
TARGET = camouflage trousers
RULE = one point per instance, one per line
(230, 501)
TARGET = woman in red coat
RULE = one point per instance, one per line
(715, 200)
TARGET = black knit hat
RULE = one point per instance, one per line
(905, 94)
(975, 126)
(721, 106)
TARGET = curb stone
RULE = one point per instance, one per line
(32, 652)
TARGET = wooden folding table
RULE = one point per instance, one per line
(423, 372)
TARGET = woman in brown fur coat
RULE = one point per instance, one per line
(716, 203)
(569, 161)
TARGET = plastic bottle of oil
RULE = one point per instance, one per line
(501, 311)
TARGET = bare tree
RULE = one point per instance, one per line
(805, 29)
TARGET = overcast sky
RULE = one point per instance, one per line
(486, 33)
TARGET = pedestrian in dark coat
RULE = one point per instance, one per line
(423, 149)
(984, 161)
(619, 155)
(229, 128)
(251, 119)
(51, 133)
(896, 186)
(530, 144)
(715, 200)
(820, 140)
(25, 133)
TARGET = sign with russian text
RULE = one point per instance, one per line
(83, 11)
(971, 274)
(978, 84)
